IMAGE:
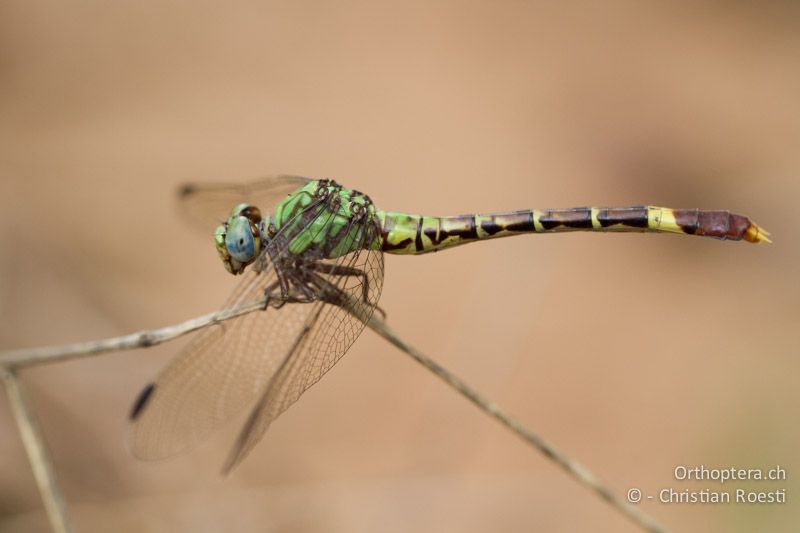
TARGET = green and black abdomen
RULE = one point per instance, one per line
(416, 234)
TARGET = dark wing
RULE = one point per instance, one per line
(207, 205)
(329, 331)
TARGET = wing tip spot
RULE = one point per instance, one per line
(142, 400)
(187, 189)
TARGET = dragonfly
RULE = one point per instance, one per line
(317, 261)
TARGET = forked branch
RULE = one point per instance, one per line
(12, 361)
(42, 466)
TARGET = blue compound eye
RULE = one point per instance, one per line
(242, 240)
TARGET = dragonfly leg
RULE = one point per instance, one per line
(280, 273)
(287, 281)
(343, 270)
(328, 292)
(283, 283)
(269, 296)
(302, 286)
(297, 288)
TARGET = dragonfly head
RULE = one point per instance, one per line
(238, 239)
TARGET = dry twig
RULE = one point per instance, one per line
(38, 455)
(12, 361)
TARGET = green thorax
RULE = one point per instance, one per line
(326, 217)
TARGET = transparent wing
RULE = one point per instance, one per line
(328, 333)
(206, 205)
(220, 373)
(254, 359)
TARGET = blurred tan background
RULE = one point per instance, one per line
(633, 353)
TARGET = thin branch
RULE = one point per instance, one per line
(143, 339)
(582, 474)
(38, 455)
(17, 359)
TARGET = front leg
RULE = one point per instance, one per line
(270, 297)
(343, 270)
(300, 283)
